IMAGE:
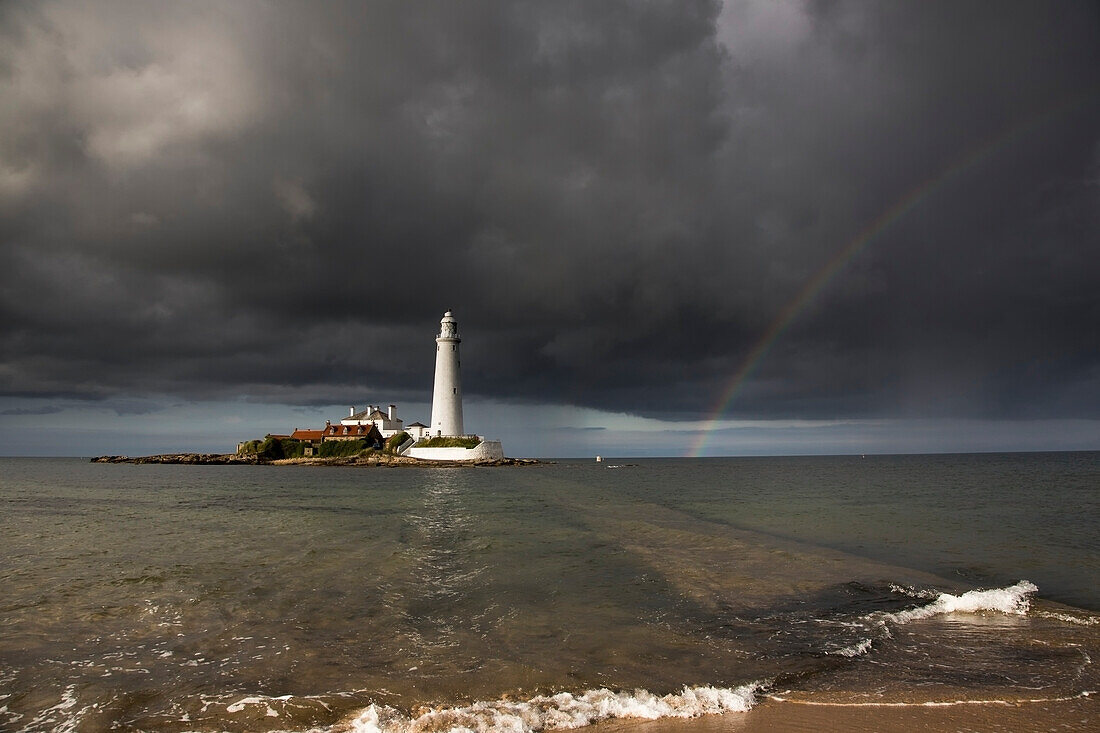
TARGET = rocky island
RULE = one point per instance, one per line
(369, 458)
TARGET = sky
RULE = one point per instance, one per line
(758, 227)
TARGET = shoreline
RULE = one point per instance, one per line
(374, 459)
(772, 714)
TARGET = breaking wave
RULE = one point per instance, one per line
(1015, 599)
(561, 711)
(854, 650)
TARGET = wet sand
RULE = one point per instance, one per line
(1079, 714)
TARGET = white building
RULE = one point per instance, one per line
(388, 423)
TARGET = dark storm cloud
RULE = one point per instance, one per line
(617, 198)
(24, 411)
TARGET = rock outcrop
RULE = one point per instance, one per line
(370, 459)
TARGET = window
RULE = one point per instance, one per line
(454, 390)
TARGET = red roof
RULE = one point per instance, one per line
(307, 434)
(350, 429)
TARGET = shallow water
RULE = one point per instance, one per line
(290, 598)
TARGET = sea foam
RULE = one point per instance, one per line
(560, 711)
(1071, 619)
(854, 650)
(1014, 600)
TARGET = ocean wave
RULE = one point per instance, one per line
(1015, 599)
(1008, 702)
(1069, 618)
(854, 650)
(909, 590)
(257, 700)
(62, 717)
(561, 711)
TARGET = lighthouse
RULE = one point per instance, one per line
(447, 396)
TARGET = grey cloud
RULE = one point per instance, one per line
(45, 410)
(618, 199)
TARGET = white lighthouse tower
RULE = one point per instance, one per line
(447, 408)
(447, 396)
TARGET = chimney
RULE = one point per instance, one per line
(393, 412)
(351, 410)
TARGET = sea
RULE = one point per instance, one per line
(560, 595)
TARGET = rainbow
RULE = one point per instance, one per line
(857, 244)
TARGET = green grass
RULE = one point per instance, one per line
(294, 448)
(446, 441)
(271, 448)
(394, 442)
(343, 448)
(250, 447)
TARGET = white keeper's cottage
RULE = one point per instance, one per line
(388, 423)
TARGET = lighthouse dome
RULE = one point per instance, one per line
(448, 326)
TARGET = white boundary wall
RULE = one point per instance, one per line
(486, 450)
